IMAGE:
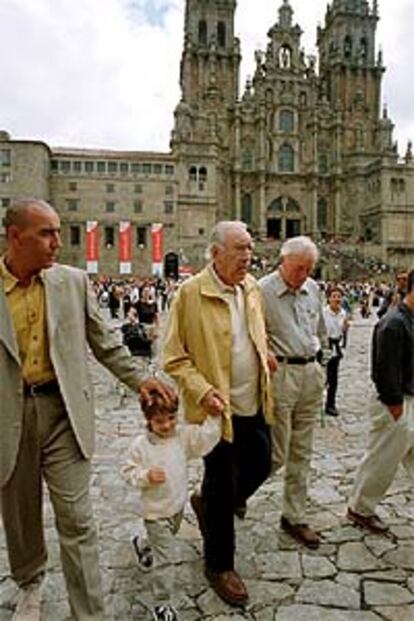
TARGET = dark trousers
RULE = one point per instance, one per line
(332, 369)
(233, 472)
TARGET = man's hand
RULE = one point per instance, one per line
(156, 476)
(152, 384)
(395, 411)
(213, 403)
(271, 363)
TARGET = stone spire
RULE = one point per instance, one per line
(285, 15)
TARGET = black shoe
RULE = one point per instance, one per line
(143, 553)
(164, 613)
(331, 411)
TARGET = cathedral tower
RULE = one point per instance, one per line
(211, 55)
(200, 141)
(351, 71)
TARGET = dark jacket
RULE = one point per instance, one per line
(393, 355)
(387, 303)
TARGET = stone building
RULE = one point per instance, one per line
(306, 148)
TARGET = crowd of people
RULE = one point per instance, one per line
(254, 362)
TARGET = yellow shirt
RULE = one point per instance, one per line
(27, 306)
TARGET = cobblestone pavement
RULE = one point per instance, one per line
(352, 577)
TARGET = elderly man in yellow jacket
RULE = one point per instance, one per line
(215, 348)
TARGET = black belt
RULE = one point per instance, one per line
(47, 388)
(295, 360)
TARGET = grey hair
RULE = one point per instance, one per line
(219, 232)
(300, 245)
(16, 211)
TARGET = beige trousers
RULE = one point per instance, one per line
(297, 392)
(390, 443)
(49, 451)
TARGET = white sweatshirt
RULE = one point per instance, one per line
(172, 455)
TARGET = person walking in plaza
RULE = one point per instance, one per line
(215, 348)
(395, 294)
(336, 326)
(296, 329)
(157, 466)
(48, 316)
(391, 434)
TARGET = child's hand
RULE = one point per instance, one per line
(156, 476)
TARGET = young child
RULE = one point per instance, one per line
(336, 326)
(157, 467)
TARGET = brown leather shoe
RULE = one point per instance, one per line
(302, 533)
(196, 503)
(228, 585)
(372, 522)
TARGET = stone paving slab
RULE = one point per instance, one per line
(354, 576)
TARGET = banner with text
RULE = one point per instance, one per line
(92, 246)
(125, 247)
(157, 238)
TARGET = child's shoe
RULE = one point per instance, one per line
(164, 613)
(143, 553)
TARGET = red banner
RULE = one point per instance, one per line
(157, 234)
(157, 237)
(125, 241)
(92, 246)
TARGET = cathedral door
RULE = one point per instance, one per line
(274, 228)
(171, 265)
(292, 227)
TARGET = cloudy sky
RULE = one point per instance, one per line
(104, 73)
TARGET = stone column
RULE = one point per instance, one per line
(237, 165)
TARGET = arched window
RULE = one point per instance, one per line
(292, 205)
(323, 163)
(247, 160)
(246, 210)
(363, 49)
(202, 32)
(285, 57)
(202, 173)
(221, 34)
(322, 215)
(286, 121)
(192, 173)
(286, 158)
(348, 46)
(276, 205)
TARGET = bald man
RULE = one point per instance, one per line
(48, 318)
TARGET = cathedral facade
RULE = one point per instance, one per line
(305, 148)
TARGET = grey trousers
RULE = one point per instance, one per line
(161, 536)
(49, 451)
(390, 444)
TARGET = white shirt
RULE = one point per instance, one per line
(172, 455)
(334, 322)
(245, 366)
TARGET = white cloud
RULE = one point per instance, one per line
(104, 73)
